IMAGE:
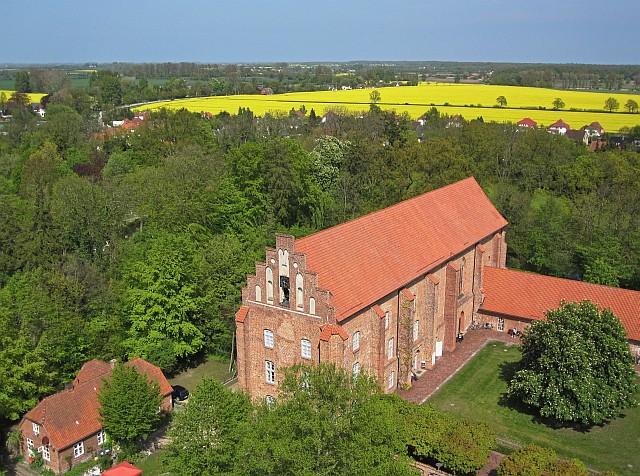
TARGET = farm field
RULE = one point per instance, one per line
(468, 100)
(35, 97)
(478, 391)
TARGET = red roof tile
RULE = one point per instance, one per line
(408, 294)
(72, 415)
(363, 260)
(527, 122)
(379, 311)
(242, 313)
(560, 123)
(328, 330)
(123, 469)
(528, 296)
(433, 279)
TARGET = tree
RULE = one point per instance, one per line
(631, 106)
(129, 404)
(576, 366)
(374, 96)
(22, 82)
(502, 101)
(558, 103)
(611, 104)
(325, 422)
(206, 434)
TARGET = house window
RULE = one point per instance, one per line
(392, 379)
(269, 275)
(305, 348)
(102, 437)
(501, 323)
(270, 400)
(270, 371)
(36, 429)
(355, 344)
(312, 306)
(78, 449)
(268, 338)
(45, 453)
(390, 349)
(386, 320)
(258, 293)
(30, 446)
(356, 369)
(416, 325)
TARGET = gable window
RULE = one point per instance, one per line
(386, 320)
(356, 369)
(305, 348)
(299, 292)
(270, 371)
(355, 344)
(390, 349)
(102, 437)
(268, 338)
(45, 453)
(36, 429)
(416, 325)
(392, 379)
(269, 276)
(258, 293)
(78, 449)
(312, 306)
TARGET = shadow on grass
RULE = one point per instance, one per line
(507, 372)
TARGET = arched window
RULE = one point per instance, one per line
(416, 325)
(461, 277)
(269, 276)
(312, 306)
(299, 291)
(268, 338)
(258, 293)
(355, 343)
(386, 320)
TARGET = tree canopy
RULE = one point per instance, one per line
(576, 366)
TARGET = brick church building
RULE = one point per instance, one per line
(385, 293)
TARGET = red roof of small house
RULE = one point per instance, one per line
(72, 415)
(123, 469)
(560, 123)
(528, 296)
(527, 122)
(365, 259)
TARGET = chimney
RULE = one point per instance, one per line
(68, 386)
(113, 362)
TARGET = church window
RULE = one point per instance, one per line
(356, 369)
(270, 371)
(299, 291)
(355, 343)
(269, 274)
(461, 277)
(268, 338)
(392, 379)
(390, 349)
(258, 293)
(416, 325)
(312, 306)
(305, 348)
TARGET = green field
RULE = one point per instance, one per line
(469, 100)
(478, 392)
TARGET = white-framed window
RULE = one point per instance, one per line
(270, 371)
(299, 292)
(270, 400)
(30, 446)
(36, 429)
(258, 293)
(102, 437)
(390, 349)
(269, 276)
(386, 320)
(355, 343)
(416, 328)
(45, 453)
(78, 449)
(268, 338)
(356, 369)
(305, 348)
(501, 323)
(312, 306)
(392, 379)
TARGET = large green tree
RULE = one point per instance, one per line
(611, 104)
(576, 366)
(205, 435)
(129, 404)
(325, 423)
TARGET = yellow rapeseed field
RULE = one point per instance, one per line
(34, 97)
(469, 100)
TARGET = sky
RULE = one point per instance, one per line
(244, 31)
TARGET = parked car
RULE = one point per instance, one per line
(179, 393)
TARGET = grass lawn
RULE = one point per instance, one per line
(478, 391)
(209, 368)
(152, 465)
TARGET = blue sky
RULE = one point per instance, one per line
(243, 31)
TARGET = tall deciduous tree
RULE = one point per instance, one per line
(611, 104)
(558, 103)
(576, 366)
(631, 106)
(206, 434)
(129, 404)
(502, 101)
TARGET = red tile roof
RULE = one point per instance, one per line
(408, 294)
(328, 330)
(123, 469)
(72, 415)
(363, 260)
(527, 122)
(379, 311)
(528, 296)
(560, 123)
(241, 315)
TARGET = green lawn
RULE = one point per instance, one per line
(478, 391)
(209, 368)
